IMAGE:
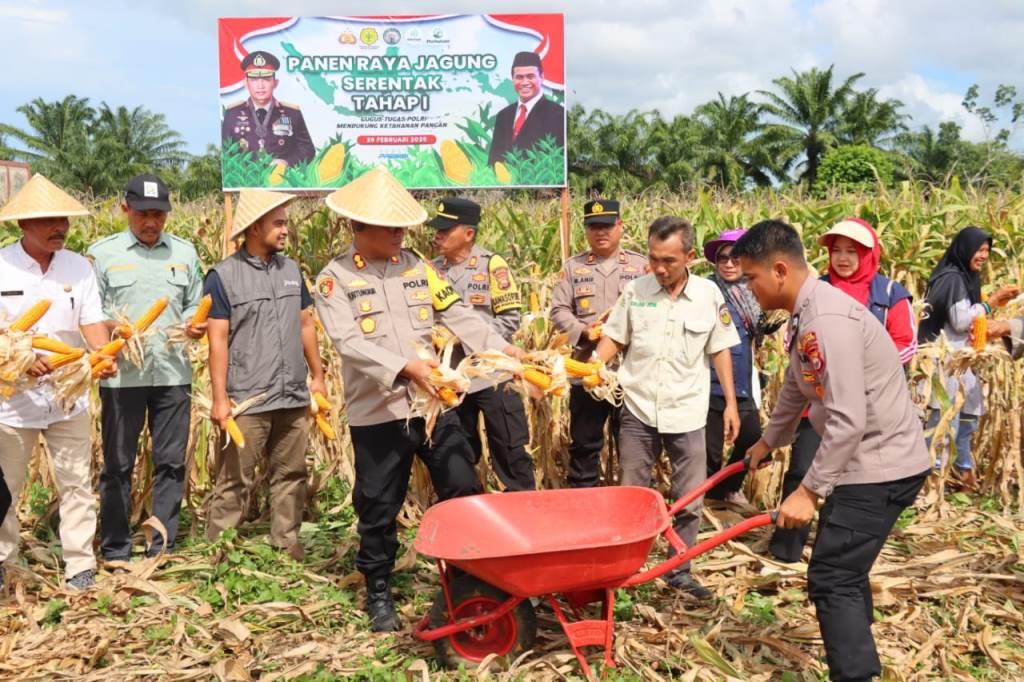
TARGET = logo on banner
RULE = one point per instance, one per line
(368, 36)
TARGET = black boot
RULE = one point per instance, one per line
(380, 606)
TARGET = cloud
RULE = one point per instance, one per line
(32, 14)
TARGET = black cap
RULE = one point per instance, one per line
(147, 192)
(604, 211)
(260, 64)
(526, 59)
(455, 211)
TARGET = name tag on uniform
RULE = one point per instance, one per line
(12, 293)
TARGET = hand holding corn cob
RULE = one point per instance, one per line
(321, 409)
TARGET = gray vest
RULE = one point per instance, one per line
(264, 342)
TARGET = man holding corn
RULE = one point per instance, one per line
(262, 345)
(484, 280)
(671, 325)
(378, 303)
(133, 269)
(588, 287)
(34, 269)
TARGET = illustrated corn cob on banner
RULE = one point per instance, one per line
(16, 351)
(136, 332)
(321, 409)
(178, 333)
(204, 405)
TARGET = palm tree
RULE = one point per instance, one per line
(56, 136)
(932, 156)
(728, 154)
(868, 120)
(807, 111)
(137, 140)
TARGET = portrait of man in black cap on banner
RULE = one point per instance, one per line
(532, 117)
(261, 123)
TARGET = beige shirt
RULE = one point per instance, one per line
(843, 362)
(1015, 342)
(587, 288)
(665, 373)
(376, 312)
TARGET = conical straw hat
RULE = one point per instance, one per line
(253, 204)
(376, 198)
(40, 198)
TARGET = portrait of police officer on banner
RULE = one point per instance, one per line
(261, 123)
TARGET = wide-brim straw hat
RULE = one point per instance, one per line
(40, 198)
(253, 204)
(376, 198)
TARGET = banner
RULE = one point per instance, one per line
(444, 101)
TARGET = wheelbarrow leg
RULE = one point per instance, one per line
(589, 632)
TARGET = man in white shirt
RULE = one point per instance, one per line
(34, 268)
(667, 324)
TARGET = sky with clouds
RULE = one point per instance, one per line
(643, 54)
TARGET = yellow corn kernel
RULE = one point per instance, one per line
(324, 426)
(575, 368)
(62, 359)
(124, 331)
(112, 348)
(202, 310)
(321, 402)
(235, 433)
(28, 319)
(501, 173)
(538, 378)
(456, 164)
(149, 317)
(979, 330)
(592, 381)
(534, 303)
(595, 332)
(331, 164)
(101, 367)
(52, 345)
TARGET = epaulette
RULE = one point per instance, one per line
(288, 105)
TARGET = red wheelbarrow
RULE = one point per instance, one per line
(495, 552)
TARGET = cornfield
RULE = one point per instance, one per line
(948, 596)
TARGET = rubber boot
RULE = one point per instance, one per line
(380, 606)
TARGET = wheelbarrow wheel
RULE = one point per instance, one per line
(511, 634)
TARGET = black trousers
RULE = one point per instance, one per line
(124, 413)
(507, 434)
(587, 417)
(384, 455)
(5, 497)
(852, 528)
(787, 544)
(714, 438)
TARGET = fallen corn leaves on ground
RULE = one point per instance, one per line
(949, 600)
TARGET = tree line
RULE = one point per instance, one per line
(811, 128)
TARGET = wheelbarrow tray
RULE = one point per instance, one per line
(546, 541)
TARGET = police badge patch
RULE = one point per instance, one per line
(325, 287)
(502, 277)
(723, 315)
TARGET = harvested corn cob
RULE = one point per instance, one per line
(575, 368)
(591, 381)
(979, 331)
(235, 433)
(110, 348)
(101, 367)
(537, 378)
(321, 402)
(52, 345)
(324, 426)
(59, 360)
(149, 317)
(28, 319)
(202, 310)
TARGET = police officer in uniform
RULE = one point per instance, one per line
(588, 287)
(872, 460)
(484, 281)
(378, 302)
(263, 124)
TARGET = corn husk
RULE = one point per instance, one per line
(430, 405)
(135, 342)
(71, 382)
(203, 404)
(16, 357)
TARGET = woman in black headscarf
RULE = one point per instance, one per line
(952, 301)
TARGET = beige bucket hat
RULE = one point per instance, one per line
(40, 198)
(852, 228)
(253, 204)
(376, 198)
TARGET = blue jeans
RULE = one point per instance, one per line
(963, 425)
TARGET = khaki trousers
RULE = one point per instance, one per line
(69, 443)
(283, 435)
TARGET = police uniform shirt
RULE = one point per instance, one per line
(588, 287)
(377, 313)
(131, 277)
(843, 362)
(664, 373)
(70, 286)
(282, 133)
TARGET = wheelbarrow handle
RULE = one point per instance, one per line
(681, 558)
(710, 483)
